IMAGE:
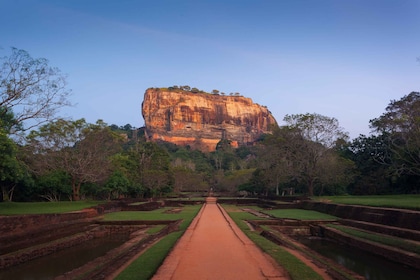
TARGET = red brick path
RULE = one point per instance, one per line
(213, 247)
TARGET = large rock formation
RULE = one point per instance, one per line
(201, 120)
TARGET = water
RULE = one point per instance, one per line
(370, 266)
(58, 263)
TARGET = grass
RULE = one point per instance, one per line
(146, 265)
(193, 198)
(25, 208)
(299, 214)
(155, 229)
(158, 214)
(405, 201)
(390, 241)
(295, 267)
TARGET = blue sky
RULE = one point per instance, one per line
(338, 58)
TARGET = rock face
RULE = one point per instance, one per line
(201, 120)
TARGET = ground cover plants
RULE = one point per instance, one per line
(299, 214)
(295, 267)
(26, 208)
(405, 201)
(146, 265)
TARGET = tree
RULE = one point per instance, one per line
(31, 89)
(156, 181)
(11, 171)
(399, 127)
(371, 177)
(281, 158)
(336, 174)
(318, 134)
(80, 149)
(317, 128)
(151, 164)
(52, 186)
(117, 185)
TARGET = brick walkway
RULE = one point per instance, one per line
(213, 247)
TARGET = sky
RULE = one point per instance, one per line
(344, 59)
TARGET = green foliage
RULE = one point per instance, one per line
(233, 179)
(26, 208)
(150, 168)
(311, 155)
(8, 122)
(155, 229)
(117, 185)
(53, 186)
(392, 201)
(303, 155)
(299, 214)
(80, 149)
(295, 267)
(147, 264)
(399, 131)
(372, 176)
(11, 170)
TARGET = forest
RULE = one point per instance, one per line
(46, 158)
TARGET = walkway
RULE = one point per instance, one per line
(213, 247)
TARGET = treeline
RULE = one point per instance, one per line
(196, 90)
(57, 159)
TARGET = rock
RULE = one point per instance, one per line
(201, 120)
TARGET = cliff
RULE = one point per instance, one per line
(201, 120)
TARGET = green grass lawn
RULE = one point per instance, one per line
(299, 214)
(295, 267)
(158, 214)
(25, 208)
(146, 265)
(193, 198)
(406, 201)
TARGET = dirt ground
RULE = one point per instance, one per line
(213, 247)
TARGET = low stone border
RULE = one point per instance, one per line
(106, 265)
(388, 252)
(386, 216)
(34, 252)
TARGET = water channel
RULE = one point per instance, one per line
(56, 264)
(372, 267)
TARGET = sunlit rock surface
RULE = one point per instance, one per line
(201, 120)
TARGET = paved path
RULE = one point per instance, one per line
(213, 247)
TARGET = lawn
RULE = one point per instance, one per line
(406, 201)
(25, 208)
(299, 214)
(296, 268)
(146, 265)
(158, 214)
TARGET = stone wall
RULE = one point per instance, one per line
(22, 224)
(34, 252)
(393, 254)
(386, 216)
